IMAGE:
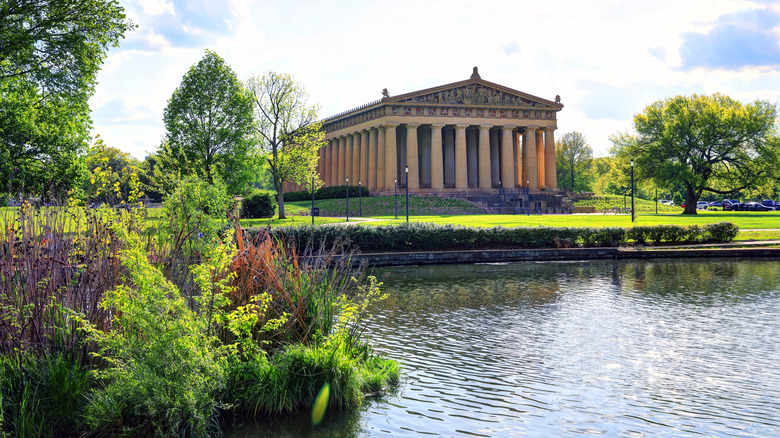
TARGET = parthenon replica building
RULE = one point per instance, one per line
(467, 137)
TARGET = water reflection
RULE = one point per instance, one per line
(660, 348)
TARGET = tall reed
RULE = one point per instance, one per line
(303, 286)
(53, 262)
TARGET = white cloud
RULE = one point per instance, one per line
(346, 52)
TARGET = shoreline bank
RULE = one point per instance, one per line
(745, 250)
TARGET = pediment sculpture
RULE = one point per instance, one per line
(475, 94)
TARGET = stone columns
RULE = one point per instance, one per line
(348, 158)
(391, 163)
(517, 146)
(380, 159)
(484, 157)
(529, 157)
(342, 163)
(355, 175)
(364, 158)
(412, 154)
(461, 171)
(372, 148)
(507, 158)
(550, 175)
(437, 159)
(540, 157)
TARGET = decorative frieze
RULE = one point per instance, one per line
(474, 94)
(426, 111)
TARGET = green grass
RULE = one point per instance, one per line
(745, 220)
(425, 209)
(758, 235)
(611, 201)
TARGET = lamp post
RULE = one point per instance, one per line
(360, 199)
(347, 199)
(312, 198)
(407, 193)
(396, 197)
(633, 215)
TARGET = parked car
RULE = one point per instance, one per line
(757, 206)
(732, 205)
(702, 205)
(768, 203)
(716, 204)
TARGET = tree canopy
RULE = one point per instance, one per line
(574, 159)
(50, 54)
(113, 175)
(704, 143)
(209, 124)
(288, 130)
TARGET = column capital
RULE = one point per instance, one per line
(412, 125)
(390, 125)
(438, 125)
(550, 128)
(461, 126)
(531, 128)
(485, 127)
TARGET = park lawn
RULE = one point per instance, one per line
(745, 235)
(744, 220)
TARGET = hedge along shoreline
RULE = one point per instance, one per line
(417, 236)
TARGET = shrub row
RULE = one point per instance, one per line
(718, 232)
(417, 236)
(335, 192)
(422, 236)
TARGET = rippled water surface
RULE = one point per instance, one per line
(662, 348)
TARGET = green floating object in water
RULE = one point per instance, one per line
(320, 404)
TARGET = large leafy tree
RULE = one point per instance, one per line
(50, 54)
(574, 159)
(209, 124)
(704, 143)
(288, 130)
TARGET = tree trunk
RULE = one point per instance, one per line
(280, 200)
(572, 179)
(690, 201)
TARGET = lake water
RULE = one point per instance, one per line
(616, 348)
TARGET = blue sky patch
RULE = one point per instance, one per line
(738, 40)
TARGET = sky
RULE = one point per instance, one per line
(607, 59)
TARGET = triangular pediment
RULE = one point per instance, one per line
(475, 92)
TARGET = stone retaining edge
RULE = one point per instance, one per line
(539, 255)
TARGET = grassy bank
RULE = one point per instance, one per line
(745, 220)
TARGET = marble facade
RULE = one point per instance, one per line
(471, 136)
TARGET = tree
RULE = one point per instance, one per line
(209, 124)
(704, 143)
(50, 54)
(288, 130)
(113, 175)
(40, 140)
(573, 159)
